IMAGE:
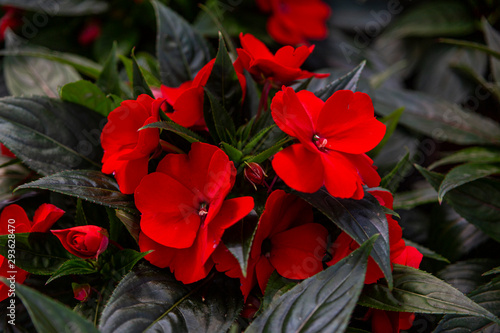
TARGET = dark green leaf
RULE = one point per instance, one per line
(471, 155)
(495, 270)
(257, 139)
(139, 85)
(62, 8)
(346, 82)
(467, 275)
(427, 253)
(478, 201)
(487, 297)
(391, 121)
(74, 266)
(121, 263)
(392, 180)
(181, 51)
(321, 303)
(131, 222)
(418, 291)
(151, 299)
(238, 239)
(465, 173)
(439, 119)
(93, 186)
(50, 135)
(360, 219)
(36, 253)
(50, 316)
(218, 120)
(276, 286)
(414, 198)
(177, 129)
(87, 94)
(493, 40)
(34, 76)
(109, 79)
(234, 154)
(264, 155)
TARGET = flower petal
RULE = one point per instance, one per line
(45, 216)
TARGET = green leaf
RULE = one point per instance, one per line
(493, 41)
(495, 270)
(109, 79)
(414, 198)
(418, 291)
(276, 286)
(257, 138)
(234, 154)
(50, 135)
(34, 76)
(63, 8)
(392, 180)
(264, 155)
(321, 303)
(465, 173)
(93, 186)
(478, 201)
(170, 126)
(151, 299)
(439, 119)
(74, 266)
(50, 316)
(433, 19)
(131, 222)
(223, 82)
(87, 94)
(139, 85)
(391, 122)
(121, 263)
(181, 51)
(346, 82)
(466, 275)
(239, 238)
(218, 120)
(487, 297)
(36, 252)
(427, 253)
(471, 155)
(360, 219)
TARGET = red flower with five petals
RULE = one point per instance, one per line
(184, 211)
(14, 220)
(296, 21)
(283, 68)
(286, 240)
(126, 149)
(333, 137)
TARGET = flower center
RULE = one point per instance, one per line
(203, 212)
(320, 142)
(265, 248)
(166, 107)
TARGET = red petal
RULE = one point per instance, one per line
(341, 179)
(255, 47)
(45, 216)
(129, 173)
(161, 255)
(16, 215)
(289, 56)
(203, 75)
(312, 104)
(299, 168)
(188, 109)
(263, 271)
(172, 94)
(366, 170)
(409, 257)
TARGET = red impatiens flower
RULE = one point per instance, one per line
(286, 240)
(184, 213)
(126, 149)
(283, 68)
(184, 104)
(296, 21)
(14, 220)
(86, 241)
(399, 252)
(333, 137)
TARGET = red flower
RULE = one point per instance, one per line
(86, 242)
(286, 240)
(14, 220)
(11, 19)
(296, 21)
(390, 321)
(81, 291)
(333, 137)
(126, 149)
(283, 68)
(184, 104)
(184, 213)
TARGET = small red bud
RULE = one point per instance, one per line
(255, 174)
(81, 291)
(251, 307)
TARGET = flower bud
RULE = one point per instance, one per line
(255, 174)
(81, 291)
(85, 242)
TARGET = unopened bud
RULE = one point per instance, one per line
(255, 174)
(81, 291)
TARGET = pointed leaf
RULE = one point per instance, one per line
(471, 155)
(391, 122)
(121, 263)
(427, 253)
(93, 186)
(467, 275)
(170, 126)
(87, 94)
(50, 135)
(360, 219)
(181, 50)
(465, 173)
(392, 180)
(437, 118)
(139, 84)
(74, 266)
(414, 198)
(346, 82)
(234, 154)
(418, 291)
(151, 299)
(50, 316)
(36, 252)
(321, 303)
(257, 139)
(218, 120)
(109, 79)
